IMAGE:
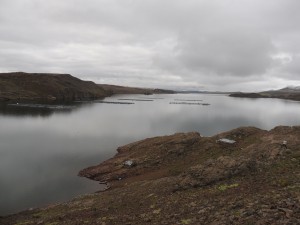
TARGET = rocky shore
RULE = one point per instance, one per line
(243, 176)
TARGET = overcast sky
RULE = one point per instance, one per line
(201, 44)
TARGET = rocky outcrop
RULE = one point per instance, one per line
(252, 147)
(35, 87)
(148, 155)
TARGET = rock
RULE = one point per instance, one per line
(249, 212)
(284, 145)
(129, 163)
(287, 212)
(226, 141)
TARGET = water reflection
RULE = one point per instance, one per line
(43, 110)
(43, 148)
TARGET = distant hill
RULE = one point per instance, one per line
(292, 93)
(115, 89)
(205, 92)
(291, 88)
(21, 86)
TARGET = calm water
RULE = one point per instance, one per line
(43, 148)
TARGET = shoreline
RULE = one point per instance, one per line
(242, 169)
(284, 96)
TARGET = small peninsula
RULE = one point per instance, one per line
(243, 176)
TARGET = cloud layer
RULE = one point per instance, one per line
(212, 45)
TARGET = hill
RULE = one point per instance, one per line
(115, 89)
(22, 87)
(41, 87)
(291, 93)
(243, 176)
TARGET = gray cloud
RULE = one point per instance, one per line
(292, 67)
(230, 52)
(218, 44)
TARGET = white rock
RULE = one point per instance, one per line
(227, 141)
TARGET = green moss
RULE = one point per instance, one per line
(157, 211)
(38, 214)
(186, 221)
(224, 187)
(294, 187)
(282, 182)
(24, 223)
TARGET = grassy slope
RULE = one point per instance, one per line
(189, 179)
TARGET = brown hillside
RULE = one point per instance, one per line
(46, 87)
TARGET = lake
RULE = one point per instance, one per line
(42, 148)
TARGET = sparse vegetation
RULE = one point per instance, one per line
(189, 179)
(224, 187)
